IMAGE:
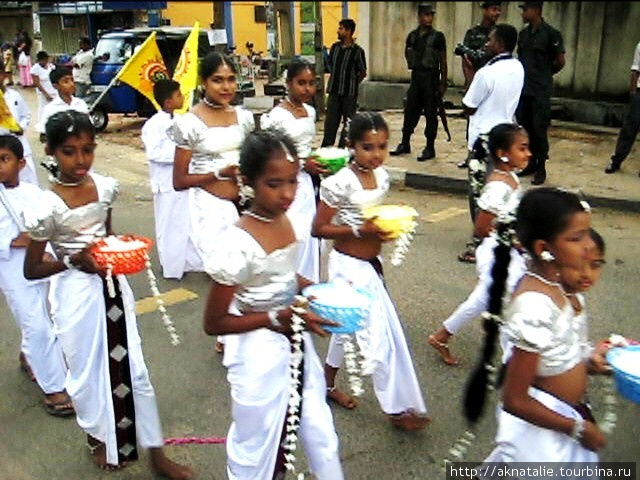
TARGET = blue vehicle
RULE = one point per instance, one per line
(112, 52)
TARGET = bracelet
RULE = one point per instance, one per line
(578, 429)
(67, 262)
(356, 231)
(273, 318)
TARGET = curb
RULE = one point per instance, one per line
(457, 186)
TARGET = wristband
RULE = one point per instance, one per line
(273, 318)
(356, 231)
(67, 262)
(578, 429)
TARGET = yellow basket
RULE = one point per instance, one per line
(394, 220)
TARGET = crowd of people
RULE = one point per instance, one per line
(252, 206)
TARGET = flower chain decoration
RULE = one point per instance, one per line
(401, 245)
(109, 278)
(295, 380)
(166, 319)
(351, 363)
(460, 447)
(610, 418)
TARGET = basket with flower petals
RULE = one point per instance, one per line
(332, 158)
(123, 254)
(341, 303)
(394, 220)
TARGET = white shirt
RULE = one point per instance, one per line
(160, 150)
(84, 60)
(43, 74)
(494, 93)
(636, 62)
(59, 105)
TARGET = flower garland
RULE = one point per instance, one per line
(402, 243)
(610, 418)
(295, 380)
(351, 364)
(166, 319)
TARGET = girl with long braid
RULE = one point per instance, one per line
(540, 418)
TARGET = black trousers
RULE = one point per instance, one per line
(629, 130)
(422, 99)
(340, 108)
(534, 114)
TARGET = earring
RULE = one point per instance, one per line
(505, 159)
(547, 256)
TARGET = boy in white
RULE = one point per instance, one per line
(22, 114)
(176, 250)
(44, 88)
(27, 299)
(82, 65)
(62, 80)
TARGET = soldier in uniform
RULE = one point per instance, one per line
(425, 52)
(541, 51)
(476, 39)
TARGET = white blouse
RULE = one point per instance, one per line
(71, 229)
(301, 130)
(499, 197)
(264, 280)
(344, 192)
(213, 148)
(536, 324)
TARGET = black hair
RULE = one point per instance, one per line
(163, 89)
(57, 73)
(62, 125)
(41, 55)
(259, 146)
(543, 213)
(85, 41)
(363, 122)
(598, 240)
(348, 24)
(212, 61)
(13, 144)
(297, 66)
(507, 35)
(502, 137)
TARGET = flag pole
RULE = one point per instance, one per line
(97, 100)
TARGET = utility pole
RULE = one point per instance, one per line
(218, 23)
(319, 50)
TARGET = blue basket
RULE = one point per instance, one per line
(351, 319)
(627, 384)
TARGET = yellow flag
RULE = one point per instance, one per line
(6, 119)
(186, 73)
(144, 69)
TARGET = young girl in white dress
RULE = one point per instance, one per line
(541, 417)
(208, 139)
(509, 150)
(355, 258)
(297, 119)
(108, 381)
(253, 267)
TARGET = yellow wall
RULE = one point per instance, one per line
(184, 14)
(245, 29)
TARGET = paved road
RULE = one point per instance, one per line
(190, 381)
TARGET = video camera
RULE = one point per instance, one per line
(477, 57)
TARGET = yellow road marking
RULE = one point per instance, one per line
(171, 297)
(445, 214)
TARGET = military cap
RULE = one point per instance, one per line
(425, 8)
(531, 5)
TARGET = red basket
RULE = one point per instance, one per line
(122, 262)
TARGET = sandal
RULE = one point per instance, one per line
(467, 256)
(219, 347)
(341, 398)
(63, 408)
(409, 420)
(443, 350)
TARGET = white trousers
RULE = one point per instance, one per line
(478, 301)
(394, 378)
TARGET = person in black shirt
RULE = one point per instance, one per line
(425, 52)
(348, 68)
(541, 51)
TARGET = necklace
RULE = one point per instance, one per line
(66, 184)
(215, 106)
(299, 106)
(257, 216)
(361, 168)
(544, 280)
